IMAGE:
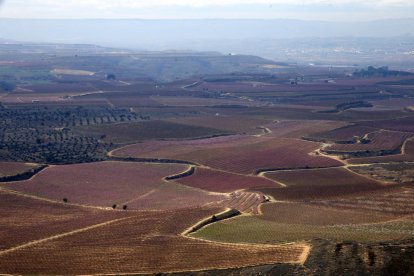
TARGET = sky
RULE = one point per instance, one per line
(329, 10)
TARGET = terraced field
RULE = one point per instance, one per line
(246, 202)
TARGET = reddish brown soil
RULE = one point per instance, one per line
(169, 196)
(407, 156)
(234, 124)
(397, 202)
(30, 219)
(146, 243)
(348, 133)
(219, 181)
(101, 184)
(378, 141)
(320, 183)
(399, 124)
(299, 213)
(270, 154)
(240, 154)
(245, 201)
(13, 168)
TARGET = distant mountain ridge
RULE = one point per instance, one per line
(377, 43)
(163, 33)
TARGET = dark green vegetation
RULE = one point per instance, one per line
(345, 106)
(379, 72)
(45, 134)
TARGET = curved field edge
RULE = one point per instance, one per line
(15, 171)
(154, 233)
(237, 154)
(107, 184)
(217, 180)
(247, 229)
(298, 251)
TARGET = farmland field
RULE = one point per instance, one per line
(348, 134)
(300, 213)
(319, 183)
(13, 168)
(375, 143)
(398, 202)
(402, 124)
(407, 155)
(220, 181)
(120, 161)
(391, 172)
(256, 230)
(230, 124)
(101, 184)
(33, 219)
(123, 133)
(156, 234)
(263, 154)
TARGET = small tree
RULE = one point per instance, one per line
(111, 77)
(65, 200)
(125, 207)
(114, 206)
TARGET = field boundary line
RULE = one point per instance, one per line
(58, 236)
(382, 183)
(2, 189)
(189, 171)
(263, 175)
(24, 176)
(306, 247)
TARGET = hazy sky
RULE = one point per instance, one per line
(342, 10)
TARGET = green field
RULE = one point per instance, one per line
(248, 229)
(26, 75)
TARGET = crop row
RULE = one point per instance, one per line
(375, 143)
(140, 245)
(407, 155)
(219, 181)
(399, 202)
